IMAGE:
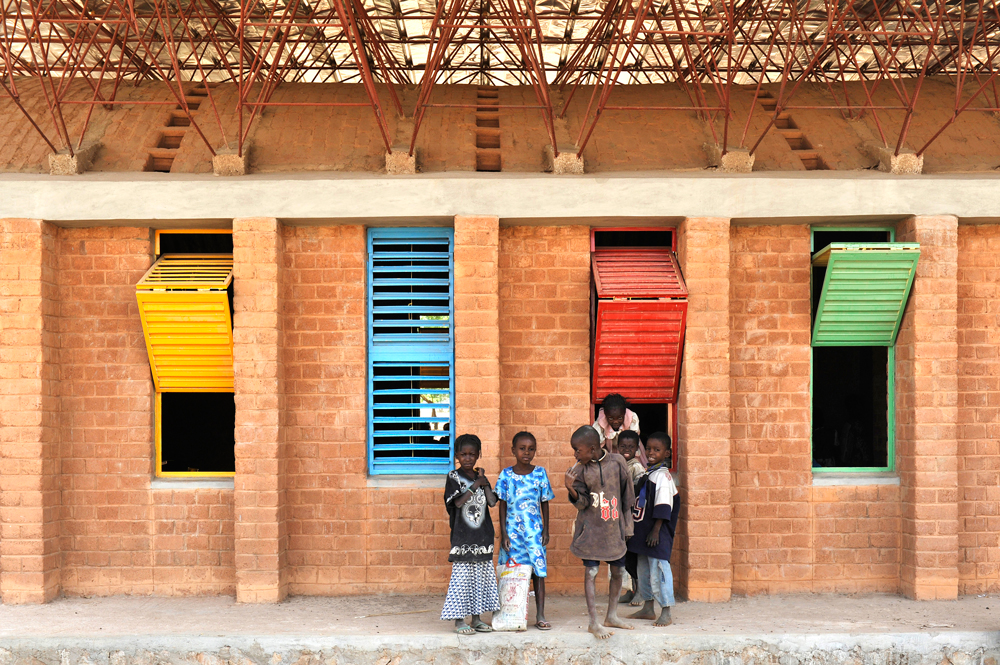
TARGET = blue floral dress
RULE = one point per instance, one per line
(524, 496)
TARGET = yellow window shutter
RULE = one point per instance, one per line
(184, 307)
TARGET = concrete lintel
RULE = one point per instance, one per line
(773, 196)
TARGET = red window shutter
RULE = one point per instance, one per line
(639, 327)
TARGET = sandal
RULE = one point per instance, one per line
(481, 627)
(465, 629)
(543, 625)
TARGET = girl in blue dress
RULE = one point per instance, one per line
(524, 493)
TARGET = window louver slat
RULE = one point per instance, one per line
(865, 289)
(186, 321)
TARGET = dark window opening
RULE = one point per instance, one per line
(850, 409)
(850, 406)
(197, 432)
(618, 238)
(201, 243)
(196, 243)
(652, 418)
(823, 238)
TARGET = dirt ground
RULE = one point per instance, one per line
(401, 615)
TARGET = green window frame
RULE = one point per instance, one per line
(890, 370)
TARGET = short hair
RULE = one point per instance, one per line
(628, 435)
(524, 435)
(464, 440)
(587, 435)
(614, 402)
(662, 437)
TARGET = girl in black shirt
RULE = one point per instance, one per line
(468, 497)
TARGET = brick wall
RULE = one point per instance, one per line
(771, 453)
(927, 413)
(29, 413)
(978, 386)
(789, 536)
(545, 362)
(193, 544)
(107, 413)
(325, 388)
(704, 552)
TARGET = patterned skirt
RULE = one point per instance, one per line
(472, 590)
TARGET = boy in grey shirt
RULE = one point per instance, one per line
(600, 486)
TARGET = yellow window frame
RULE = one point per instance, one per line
(160, 473)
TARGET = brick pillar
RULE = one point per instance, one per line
(927, 412)
(29, 413)
(704, 414)
(477, 334)
(260, 529)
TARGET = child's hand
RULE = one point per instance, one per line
(545, 537)
(571, 477)
(481, 480)
(505, 541)
(653, 539)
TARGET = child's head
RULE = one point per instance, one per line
(523, 446)
(468, 447)
(614, 406)
(658, 447)
(586, 444)
(628, 444)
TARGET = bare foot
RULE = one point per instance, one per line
(636, 600)
(664, 619)
(615, 622)
(600, 632)
(645, 613)
(626, 597)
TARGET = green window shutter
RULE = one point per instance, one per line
(864, 292)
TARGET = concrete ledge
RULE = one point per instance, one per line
(62, 163)
(801, 629)
(825, 479)
(933, 648)
(371, 197)
(412, 482)
(192, 483)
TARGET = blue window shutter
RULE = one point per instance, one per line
(411, 356)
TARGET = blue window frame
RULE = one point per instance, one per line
(411, 351)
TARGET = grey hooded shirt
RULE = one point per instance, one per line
(604, 498)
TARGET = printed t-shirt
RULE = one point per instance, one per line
(657, 499)
(472, 532)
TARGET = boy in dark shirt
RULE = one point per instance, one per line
(655, 515)
(600, 487)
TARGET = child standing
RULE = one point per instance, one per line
(468, 497)
(614, 418)
(656, 507)
(524, 492)
(628, 447)
(600, 487)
